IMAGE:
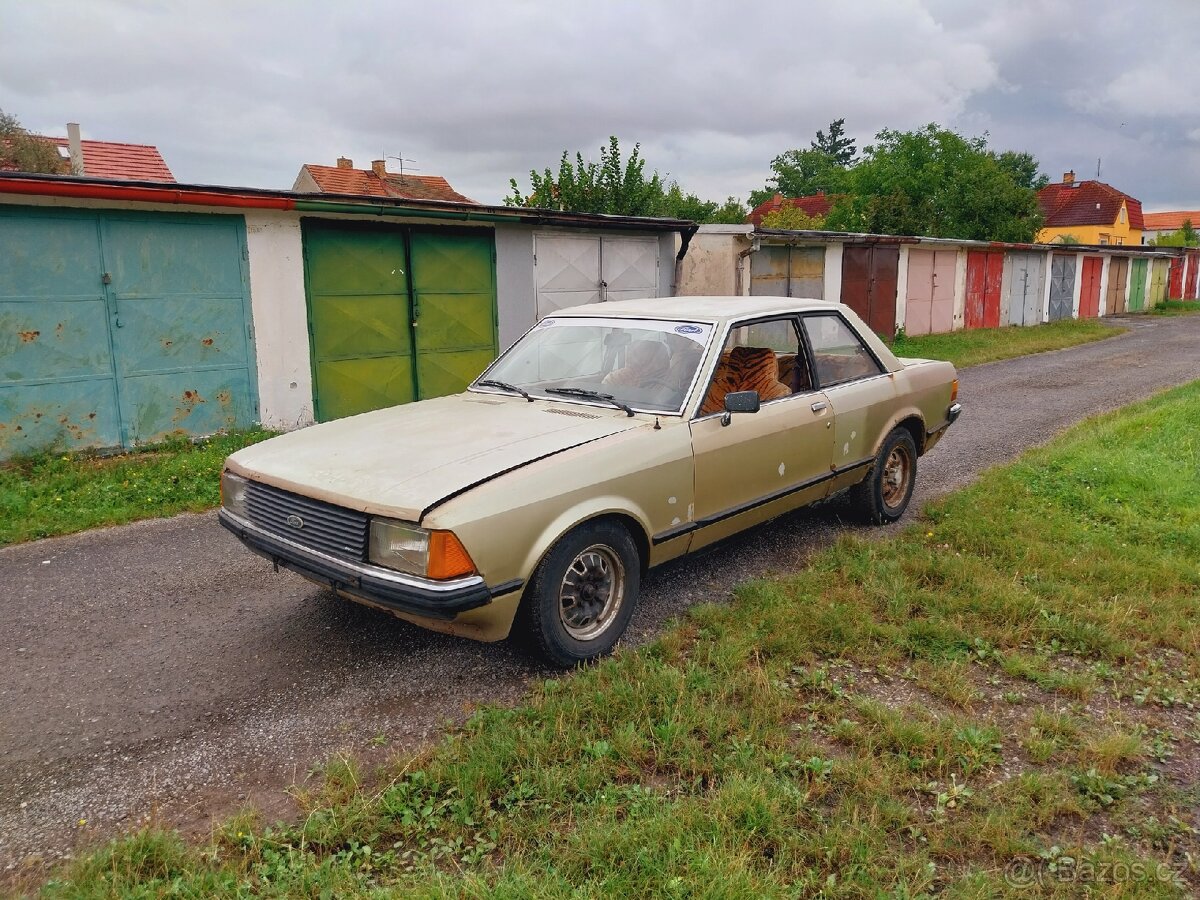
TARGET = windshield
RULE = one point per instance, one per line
(646, 363)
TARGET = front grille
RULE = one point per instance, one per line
(329, 529)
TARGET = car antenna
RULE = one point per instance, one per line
(657, 427)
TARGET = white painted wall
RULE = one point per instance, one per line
(516, 297)
(280, 318)
(1078, 291)
(960, 289)
(902, 288)
(1103, 286)
(833, 272)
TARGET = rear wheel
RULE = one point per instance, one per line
(883, 496)
(582, 595)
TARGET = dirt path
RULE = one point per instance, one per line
(158, 669)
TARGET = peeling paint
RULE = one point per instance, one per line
(28, 337)
(782, 469)
(671, 500)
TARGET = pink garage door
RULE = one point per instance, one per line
(929, 301)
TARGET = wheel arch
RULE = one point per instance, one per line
(911, 421)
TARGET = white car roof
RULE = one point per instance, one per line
(691, 308)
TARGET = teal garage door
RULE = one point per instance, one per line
(118, 328)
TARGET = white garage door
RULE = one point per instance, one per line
(570, 270)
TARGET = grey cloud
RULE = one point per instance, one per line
(244, 93)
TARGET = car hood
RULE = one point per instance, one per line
(404, 460)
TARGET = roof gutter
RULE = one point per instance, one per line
(334, 206)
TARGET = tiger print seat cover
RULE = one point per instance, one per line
(745, 369)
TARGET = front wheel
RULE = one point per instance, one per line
(581, 598)
(882, 497)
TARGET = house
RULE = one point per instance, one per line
(1089, 212)
(376, 181)
(1160, 223)
(106, 159)
(815, 205)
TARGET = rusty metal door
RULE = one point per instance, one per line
(869, 277)
(1062, 286)
(1118, 274)
(1158, 281)
(929, 304)
(1137, 285)
(121, 328)
(1089, 287)
(1175, 278)
(180, 324)
(1026, 271)
(985, 278)
(787, 271)
(1193, 276)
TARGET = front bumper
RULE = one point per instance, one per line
(953, 413)
(394, 590)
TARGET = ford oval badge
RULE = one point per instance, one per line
(688, 329)
(295, 521)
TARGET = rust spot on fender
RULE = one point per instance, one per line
(28, 337)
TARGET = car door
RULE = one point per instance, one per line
(859, 390)
(759, 464)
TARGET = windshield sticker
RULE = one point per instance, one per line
(694, 331)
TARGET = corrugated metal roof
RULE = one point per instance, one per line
(1087, 203)
(365, 182)
(1171, 221)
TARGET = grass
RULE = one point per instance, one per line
(983, 345)
(47, 494)
(1177, 308)
(1004, 691)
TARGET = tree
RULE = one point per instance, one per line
(25, 152)
(799, 173)
(1024, 169)
(836, 144)
(792, 218)
(935, 182)
(1186, 236)
(619, 187)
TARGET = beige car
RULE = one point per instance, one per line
(609, 439)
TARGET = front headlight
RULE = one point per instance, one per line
(418, 551)
(233, 493)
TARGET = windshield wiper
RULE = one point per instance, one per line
(590, 395)
(505, 386)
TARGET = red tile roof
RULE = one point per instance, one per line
(1087, 203)
(108, 159)
(1171, 221)
(816, 205)
(364, 182)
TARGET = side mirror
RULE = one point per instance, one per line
(739, 402)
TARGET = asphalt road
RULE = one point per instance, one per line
(158, 670)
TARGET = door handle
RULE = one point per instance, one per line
(819, 405)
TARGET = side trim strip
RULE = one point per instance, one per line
(507, 588)
(757, 502)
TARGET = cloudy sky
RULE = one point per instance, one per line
(245, 92)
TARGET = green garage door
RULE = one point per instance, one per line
(396, 314)
(119, 328)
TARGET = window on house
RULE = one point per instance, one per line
(1120, 240)
(1104, 238)
(1122, 215)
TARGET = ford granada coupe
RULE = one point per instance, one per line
(610, 438)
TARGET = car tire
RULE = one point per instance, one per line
(882, 497)
(581, 597)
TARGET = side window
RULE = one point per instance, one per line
(838, 353)
(763, 356)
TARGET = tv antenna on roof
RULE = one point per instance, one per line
(402, 160)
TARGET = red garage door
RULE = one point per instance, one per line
(869, 275)
(985, 274)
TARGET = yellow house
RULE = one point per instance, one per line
(1091, 212)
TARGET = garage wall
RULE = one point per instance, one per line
(280, 320)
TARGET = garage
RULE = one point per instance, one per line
(573, 269)
(1062, 286)
(1089, 287)
(1025, 272)
(929, 306)
(869, 276)
(985, 278)
(1118, 276)
(120, 328)
(787, 271)
(395, 313)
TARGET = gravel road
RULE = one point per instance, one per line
(158, 670)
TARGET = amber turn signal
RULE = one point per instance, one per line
(448, 558)
(954, 390)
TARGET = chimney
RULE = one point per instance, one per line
(76, 147)
(1069, 177)
(344, 163)
(379, 167)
